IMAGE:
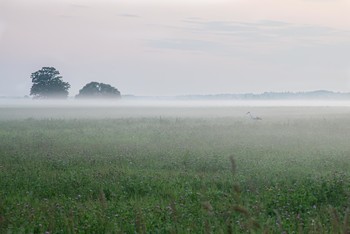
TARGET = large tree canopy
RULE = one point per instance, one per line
(98, 90)
(47, 83)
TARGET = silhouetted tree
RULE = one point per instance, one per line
(47, 83)
(98, 90)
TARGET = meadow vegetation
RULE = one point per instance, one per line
(175, 172)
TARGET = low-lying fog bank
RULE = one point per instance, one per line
(107, 109)
(170, 103)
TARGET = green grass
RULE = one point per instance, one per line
(174, 174)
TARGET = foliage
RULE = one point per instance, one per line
(151, 175)
(98, 90)
(47, 83)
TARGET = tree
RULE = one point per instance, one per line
(98, 90)
(47, 83)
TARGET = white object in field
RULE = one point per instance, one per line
(252, 117)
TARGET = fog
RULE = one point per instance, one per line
(32, 103)
(172, 109)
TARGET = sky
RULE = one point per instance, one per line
(178, 47)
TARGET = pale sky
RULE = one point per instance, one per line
(178, 47)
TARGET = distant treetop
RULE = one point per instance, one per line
(98, 90)
(47, 83)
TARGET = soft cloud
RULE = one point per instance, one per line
(188, 45)
(129, 15)
(250, 39)
(81, 6)
(266, 28)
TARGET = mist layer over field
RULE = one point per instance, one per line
(108, 109)
(174, 167)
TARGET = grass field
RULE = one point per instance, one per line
(174, 170)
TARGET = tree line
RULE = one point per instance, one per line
(47, 83)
